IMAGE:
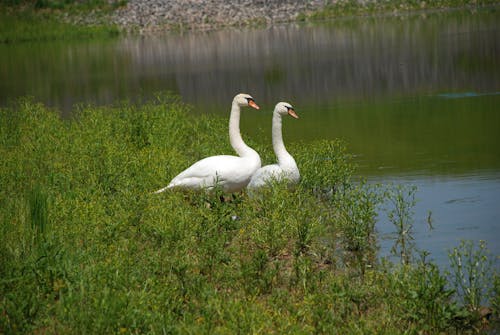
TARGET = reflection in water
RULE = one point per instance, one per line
(414, 97)
(422, 135)
(315, 65)
(350, 59)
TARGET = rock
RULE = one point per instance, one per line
(158, 15)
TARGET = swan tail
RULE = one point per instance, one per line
(162, 190)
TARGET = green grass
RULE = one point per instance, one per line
(86, 248)
(26, 23)
(344, 8)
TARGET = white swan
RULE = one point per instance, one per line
(286, 167)
(232, 173)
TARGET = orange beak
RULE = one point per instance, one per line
(292, 113)
(252, 103)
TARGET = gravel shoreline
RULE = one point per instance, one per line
(156, 15)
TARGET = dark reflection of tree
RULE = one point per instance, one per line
(340, 60)
(346, 59)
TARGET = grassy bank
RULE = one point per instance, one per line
(53, 20)
(344, 8)
(86, 247)
(42, 20)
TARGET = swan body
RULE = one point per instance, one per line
(232, 173)
(286, 167)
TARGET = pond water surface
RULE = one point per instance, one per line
(417, 98)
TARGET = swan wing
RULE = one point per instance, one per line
(224, 170)
(264, 175)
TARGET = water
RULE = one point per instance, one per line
(415, 97)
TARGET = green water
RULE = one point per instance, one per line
(428, 135)
(415, 97)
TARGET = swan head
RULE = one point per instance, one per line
(284, 108)
(244, 99)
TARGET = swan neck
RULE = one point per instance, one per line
(234, 133)
(278, 145)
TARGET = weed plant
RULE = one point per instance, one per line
(402, 200)
(471, 271)
(86, 247)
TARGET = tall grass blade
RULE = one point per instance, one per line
(38, 208)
